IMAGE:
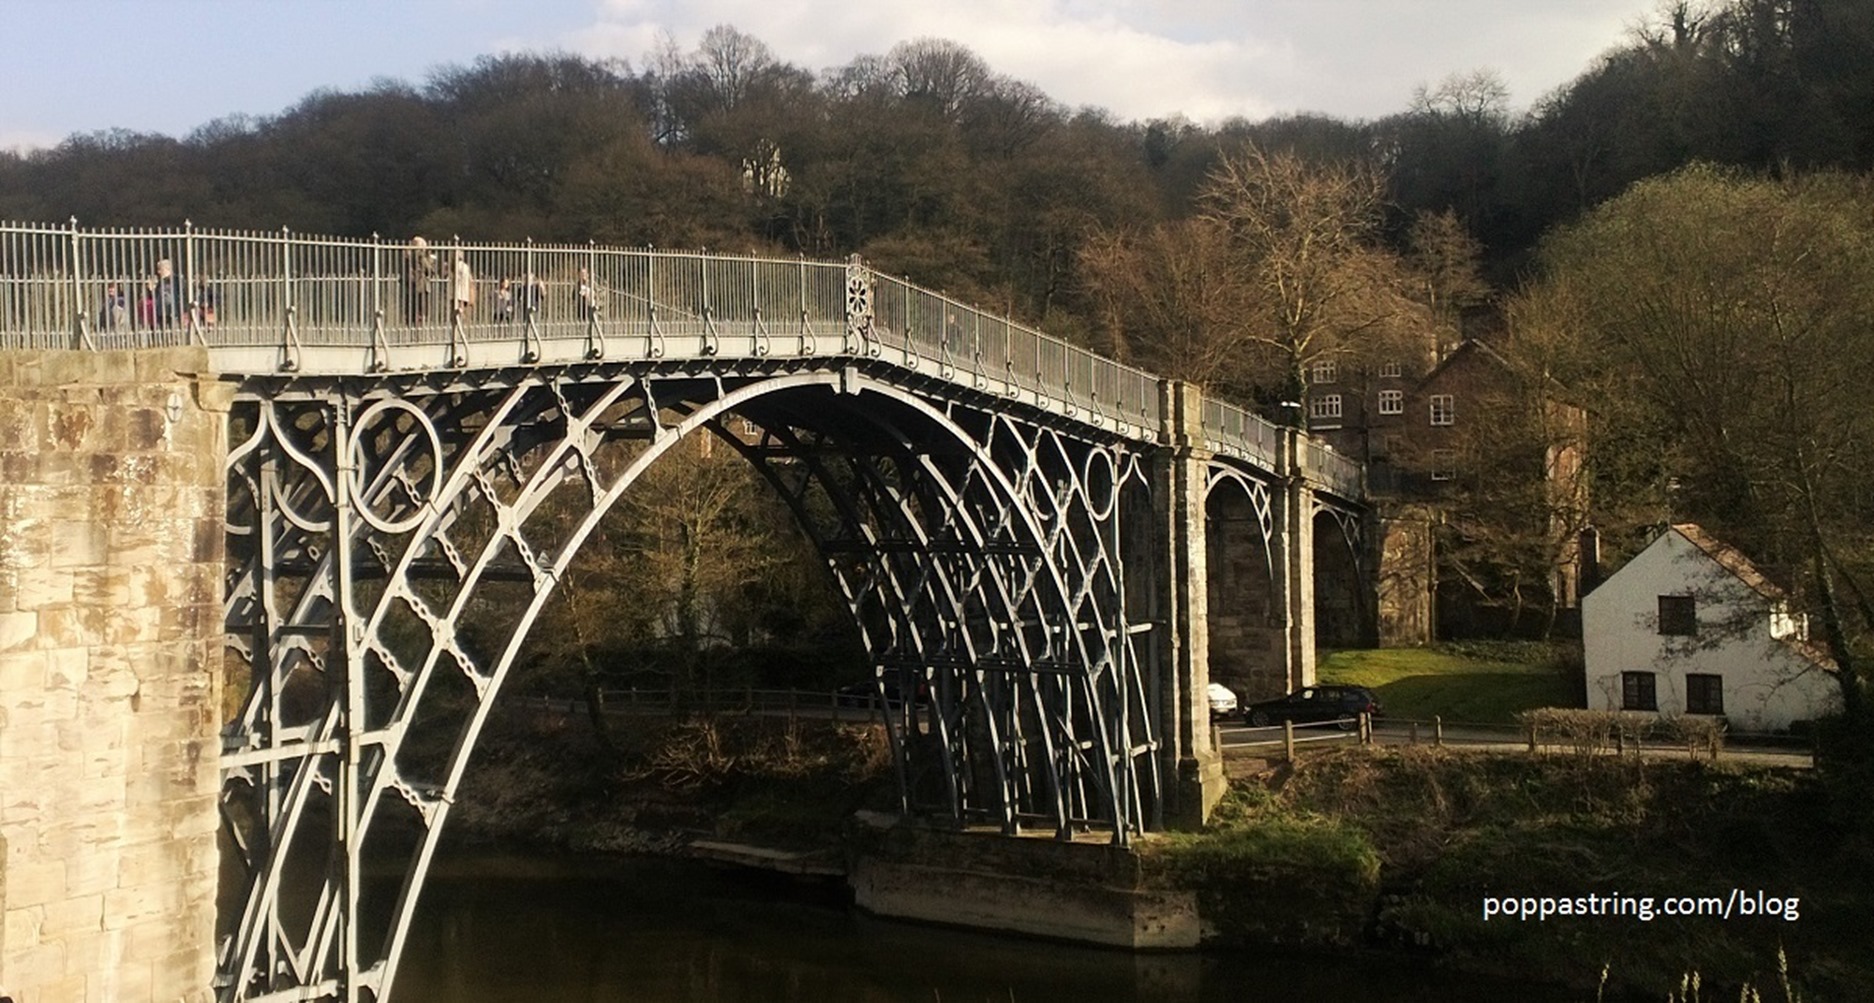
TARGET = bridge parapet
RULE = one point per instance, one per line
(1328, 470)
(280, 302)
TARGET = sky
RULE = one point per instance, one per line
(169, 66)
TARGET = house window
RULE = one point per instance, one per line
(1392, 402)
(1704, 693)
(1637, 691)
(1444, 464)
(1324, 406)
(1389, 370)
(1326, 371)
(1678, 616)
(1444, 410)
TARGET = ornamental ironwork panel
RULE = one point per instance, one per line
(393, 540)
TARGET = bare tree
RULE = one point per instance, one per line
(1305, 239)
(1283, 268)
(944, 73)
(667, 573)
(1169, 298)
(1479, 96)
(1445, 259)
(729, 62)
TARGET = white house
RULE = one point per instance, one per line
(1690, 626)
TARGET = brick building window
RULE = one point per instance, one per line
(1444, 464)
(1704, 693)
(1326, 371)
(1324, 406)
(1678, 616)
(1638, 691)
(1389, 370)
(1392, 402)
(1444, 409)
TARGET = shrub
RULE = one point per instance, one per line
(1590, 732)
(1280, 879)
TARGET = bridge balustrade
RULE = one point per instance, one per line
(1329, 468)
(65, 287)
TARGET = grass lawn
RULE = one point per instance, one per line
(1475, 684)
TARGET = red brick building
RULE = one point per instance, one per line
(1476, 468)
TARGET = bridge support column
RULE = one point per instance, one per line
(1190, 751)
(1295, 563)
(112, 516)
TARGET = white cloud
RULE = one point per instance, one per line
(1081, 53)
(1206, 59)
(27, 140)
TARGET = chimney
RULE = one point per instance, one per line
(1590, 559)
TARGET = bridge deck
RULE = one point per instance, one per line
(283, 303)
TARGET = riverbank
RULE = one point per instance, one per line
(1405, 848)
(1389, 850)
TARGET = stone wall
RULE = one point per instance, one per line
(1406, 573)
(112, 515)
(1091, 893)
(1248, 627)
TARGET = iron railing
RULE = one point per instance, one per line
(1325, 467)
(1241, 433)
(266, 300)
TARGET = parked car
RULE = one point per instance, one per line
(1222, 701)
(1310, 704)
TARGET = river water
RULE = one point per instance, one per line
(501, 928)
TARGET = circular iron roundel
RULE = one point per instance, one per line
(377, 482)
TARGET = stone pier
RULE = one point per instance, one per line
(1188, 753)
(112, 515)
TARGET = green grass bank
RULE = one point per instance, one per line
(1464, 683)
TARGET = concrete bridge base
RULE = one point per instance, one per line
(112, 498)
(1082, 892)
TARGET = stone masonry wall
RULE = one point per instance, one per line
(1248, 636)
(112, 515)
(1406, 562)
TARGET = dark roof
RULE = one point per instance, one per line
(1477, 346)
(1733, 560)
(1466, 347)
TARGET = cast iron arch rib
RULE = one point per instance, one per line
(368, 519)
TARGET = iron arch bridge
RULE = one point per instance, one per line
(421, 434)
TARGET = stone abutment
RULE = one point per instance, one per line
(112, 515)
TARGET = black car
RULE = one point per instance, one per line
(1314, 703)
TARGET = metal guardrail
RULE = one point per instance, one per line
(1240, 433)
(1335, 471)
(266, 301)
(1438, 732)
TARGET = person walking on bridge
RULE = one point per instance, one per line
(462, 289)
(419, 270)
(168, 294)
